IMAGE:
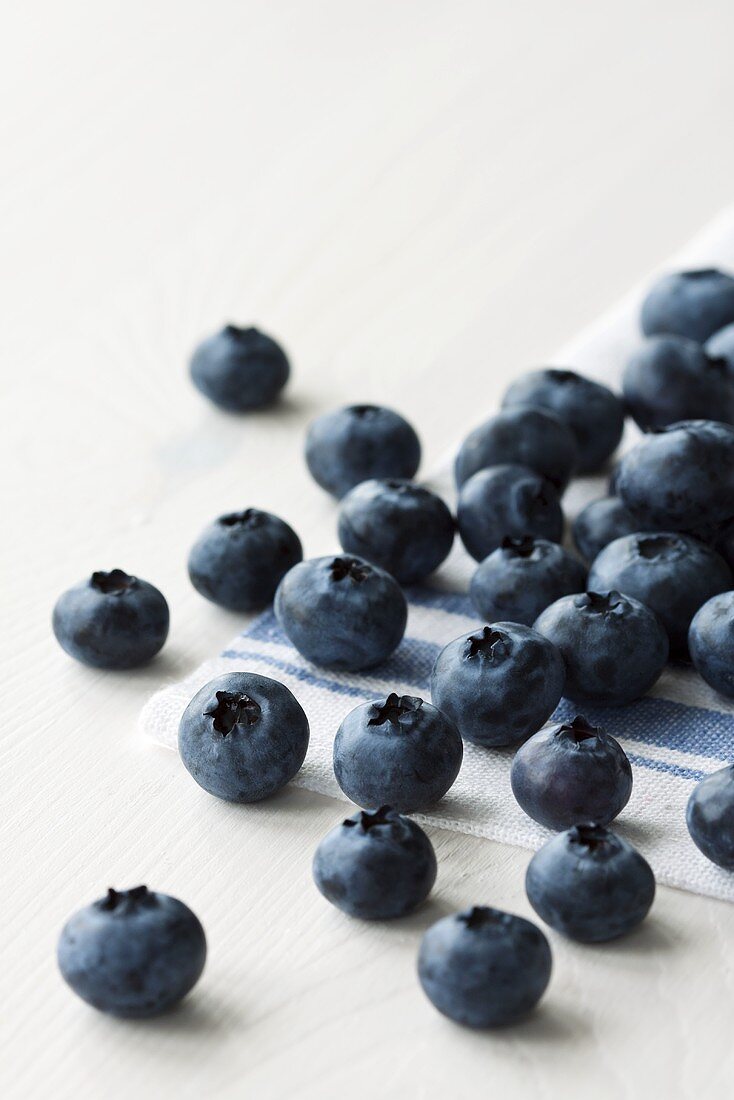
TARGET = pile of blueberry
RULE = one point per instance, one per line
(651, 581)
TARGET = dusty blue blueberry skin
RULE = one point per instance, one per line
(239, 560)
(680, 478)
(507, 502)
(240, 369)
(614, 648)
(571, 773)
(376, 865)
(695, 304)
(360, 442)
(670, 573)
(399, 751)
(594, 414)
(600, 523)
(243, 737)
(590, 885)
(522, 577)
(133, 953)
(535, 438)
(484, 968)
(111, 620)
(341, 612)
(710, 816)
(499, 684)
(402, 527)
(711, 642)
(670, 378)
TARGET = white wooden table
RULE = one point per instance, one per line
(420, 198)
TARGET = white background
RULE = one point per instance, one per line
(420, 198)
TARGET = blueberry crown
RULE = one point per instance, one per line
(394, 709)
(602, 603)
(652, 547)
(241, 335)
(367, 819)
(127, 900)
(579, 730)
(518, 548)
(349, 568)
(115, 583)
(564, 377)
(593, 838)
(233, 708)
(363, 412)
(483, 916)
(490, 645)
(251, 517)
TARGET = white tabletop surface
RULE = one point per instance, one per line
(421, 198)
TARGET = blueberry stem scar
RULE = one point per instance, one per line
(233, 709)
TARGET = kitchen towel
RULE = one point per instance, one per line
(680, 732)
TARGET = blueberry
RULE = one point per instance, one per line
(689, 303)
(243, 737)
(721, 345)
(670, 379)
(498, 684)
(711, 642)
(133, 953)
(601, 522)
(358, 443)
(375, 865)
(533, 438)
(240, 369)
(594, 414)
(403, 528)
(571, 773)
(614, 647)
(399, 750)
(239, 560)
(590, 884)
(111, 620)
(680, 478)
(522, 577)
(341, 612)
(710, 816)
(484, 968)
(672, 574)
(507, 502)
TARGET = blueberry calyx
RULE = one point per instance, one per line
(394, 709)
(591, 837)
(651, 547)
(518, 548)
(233, 708)
(241, 334)
(251, 517)
(565, 377)
(579, 729)
(717, 363)
(480, 916)
(698, 273)
(601, 603)
(355, 570)
(490, 645)
(130, 899)
(367, 820)
(363, 412)
(115, 583)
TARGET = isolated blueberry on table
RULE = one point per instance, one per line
(594, 414)
(341, 612)
(670, 378)
(499, 683)
(111, 620)
(376, 865)
(507, 502)
(243, 737)
(670, 573)
(589, 884)
(689, 303)
(601, 522)
(614, 648)
(240, 369)
(571, 773)
(522, 577)
(239, 560)
(710, 816)
(133, 953)
(398, 751)
(402, 527)
(534, 438)
(711, 642)
(360, 442)
(484, 968)
(680, 478)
